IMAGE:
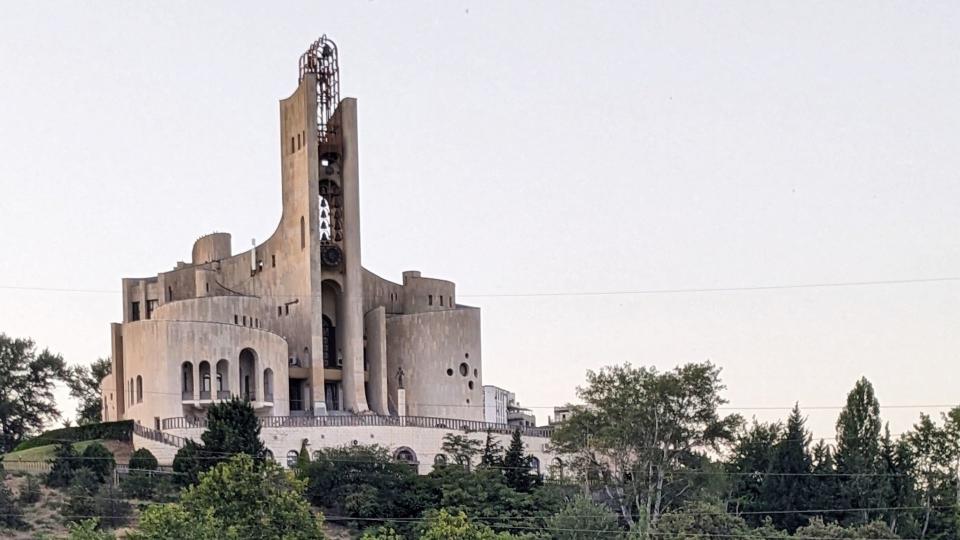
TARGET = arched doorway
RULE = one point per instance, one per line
(248, 374)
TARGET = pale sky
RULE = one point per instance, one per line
(520, 148)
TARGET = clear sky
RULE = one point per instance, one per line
(525, 148)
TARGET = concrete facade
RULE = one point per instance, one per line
(295, 324)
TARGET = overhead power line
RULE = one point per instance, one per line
(681, 290)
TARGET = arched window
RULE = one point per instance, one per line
(405, 455)
(186, 380)
(292, 458)
(440, 460)
(223, 379)
(204, 380)
(139, 389)
(268, 384)
(268, 455)
(534, 464)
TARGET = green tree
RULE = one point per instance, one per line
(788, 485)
(443, 525)
(364, 482)
(239, 498)
(143, 459)
(98, 459)
(65, 462)
(492, 455)
(858, 453)
(825, 484)
(303, 458)
(84, 385)
(461, 448)
(702, 520)
(516, 466)
(934, 457)
(582, 519)
(752, 453)
(638, 427)
(232, 428)
(88, 529)
(27, 379)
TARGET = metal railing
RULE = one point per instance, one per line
(158, 436)
(370, 420)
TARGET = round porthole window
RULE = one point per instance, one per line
(470, 385)
(450, 372)
(464, 369)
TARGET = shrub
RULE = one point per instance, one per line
(10, 514)
(81, 503)
(98, 459)
(143, 459)
(87, 530)
(112, 509)
(64, 463)
(30, 493)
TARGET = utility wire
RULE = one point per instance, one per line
(682, 290)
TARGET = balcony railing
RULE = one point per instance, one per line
(204, 394)
(370, 420)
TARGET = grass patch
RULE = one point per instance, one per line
(44, 453)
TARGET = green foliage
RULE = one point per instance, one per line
(98, 459)
(80, 503)
(88, 529)
(64, 464)
(239, 498)
(84, 384)
(112, 431)
(113, 509)
(303, 458)
(30, 492)
(833, 531)
(701, 519)
(582, 519)
(144, 460)
(363, 482)
(790, 487)
(858, 452)
(11, 516)
(232, 428)
(189, 462)
(27, 380)
(381, 533)
(492, 455)
(443, 525)
(461, 448)
(483, 492)
(638, 427)
(516, 466)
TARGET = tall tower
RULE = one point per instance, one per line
(321, 199)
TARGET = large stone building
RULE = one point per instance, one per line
(296, 325)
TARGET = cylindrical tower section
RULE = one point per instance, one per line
(353, 390)
(212, 247)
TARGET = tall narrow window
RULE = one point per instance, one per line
(430, 299)
(441, 300)
(135, 311)
(273, 261)
(139, 389)
(303, 233)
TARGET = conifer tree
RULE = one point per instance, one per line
(858, 453)
(516, 465)
(788, 486)
(492, 455)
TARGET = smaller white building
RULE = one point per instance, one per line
(495, 403)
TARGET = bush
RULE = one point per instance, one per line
(143, 460)
(81, 503)
(98, 459)
(64, 464)
(111, 431)
(87, 530)
(30, 493)
(10, 514)
(112, 509)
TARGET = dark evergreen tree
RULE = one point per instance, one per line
(825, 484)
(99, 460)
(492, 455)
(787, 486)
(232, 428)
(858, 454)
(899, 490)
(64, 464)
(752, 456)
(516, 466)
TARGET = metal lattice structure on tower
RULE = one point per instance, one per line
(321, 60)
